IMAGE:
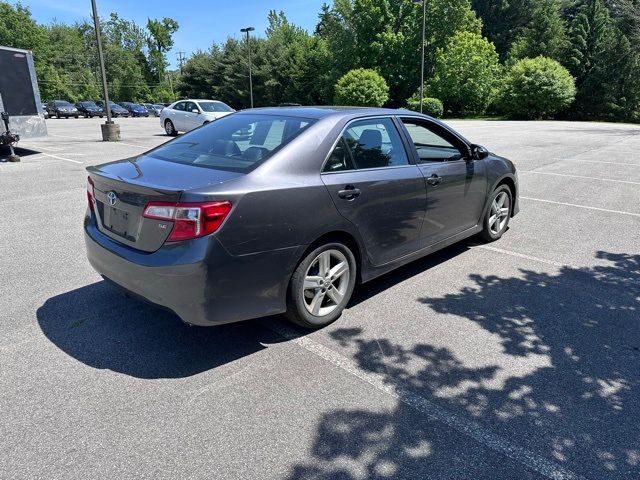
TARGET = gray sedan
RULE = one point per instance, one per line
(285, 210)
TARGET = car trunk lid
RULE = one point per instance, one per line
(123, 189)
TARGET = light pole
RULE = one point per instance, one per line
(424, 28)
(247, 30)
(110, 130)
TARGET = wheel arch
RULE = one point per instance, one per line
(510, 182)
(512, 185)
(340, 236)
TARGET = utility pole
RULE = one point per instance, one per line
(424, 27)
(181, 59)
(110, 130)
(247, 30)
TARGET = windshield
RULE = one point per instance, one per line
(215, 107)
(89, 104)
(62, 103)
(236, 143)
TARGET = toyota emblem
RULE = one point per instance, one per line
(112, 197)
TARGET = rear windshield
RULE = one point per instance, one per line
(236, 143)
(215, 107)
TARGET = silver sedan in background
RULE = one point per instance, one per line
(185, 115)
(154, 108)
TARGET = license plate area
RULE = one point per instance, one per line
(118, 222)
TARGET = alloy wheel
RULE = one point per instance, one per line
(499, 214)
(326, 282)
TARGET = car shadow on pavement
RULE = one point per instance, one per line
(102, 328)
(578, 408)
(364, 292)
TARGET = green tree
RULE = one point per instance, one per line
(363, 88)
(386, 35)
(160, 41)
(545, 35)
(197, 79)
(466, 73)
(430, 106)
(536, 88)
(504, 20)
(296, 67)
(75, 66)
(590, 58)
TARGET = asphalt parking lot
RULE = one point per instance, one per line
(515, 360)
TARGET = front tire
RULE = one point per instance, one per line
(321, 286)
(169, 128)
(496, 220)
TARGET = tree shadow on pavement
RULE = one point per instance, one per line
(103, 329)
(580, 410)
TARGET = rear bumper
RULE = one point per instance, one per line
(198, 280)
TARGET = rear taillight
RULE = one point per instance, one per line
(90, 193)
(190, 220)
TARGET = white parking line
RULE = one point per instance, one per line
(61, 158)
(522, 255)
(581, 206)
(462, 425)
(579, 176)
(84, 140)
(577, 160)
(132, 145)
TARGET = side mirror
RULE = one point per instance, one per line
(478, 152)
(195, 110)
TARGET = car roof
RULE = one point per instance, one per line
(322, 112)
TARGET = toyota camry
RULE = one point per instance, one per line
(286, 210)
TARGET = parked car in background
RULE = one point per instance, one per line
(153, 108)
(135, 109)
(62, 109)
(89, 109)
(185, 115)
(289, 220)
(116, 110)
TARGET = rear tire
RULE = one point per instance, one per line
(496, 220)
(321, 286)
(169, 128)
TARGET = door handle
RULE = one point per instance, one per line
(349, 193)
(434, 180)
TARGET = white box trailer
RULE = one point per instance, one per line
(19, 93)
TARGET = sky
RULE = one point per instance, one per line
(201, 22)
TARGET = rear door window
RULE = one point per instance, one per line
(375, 143)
